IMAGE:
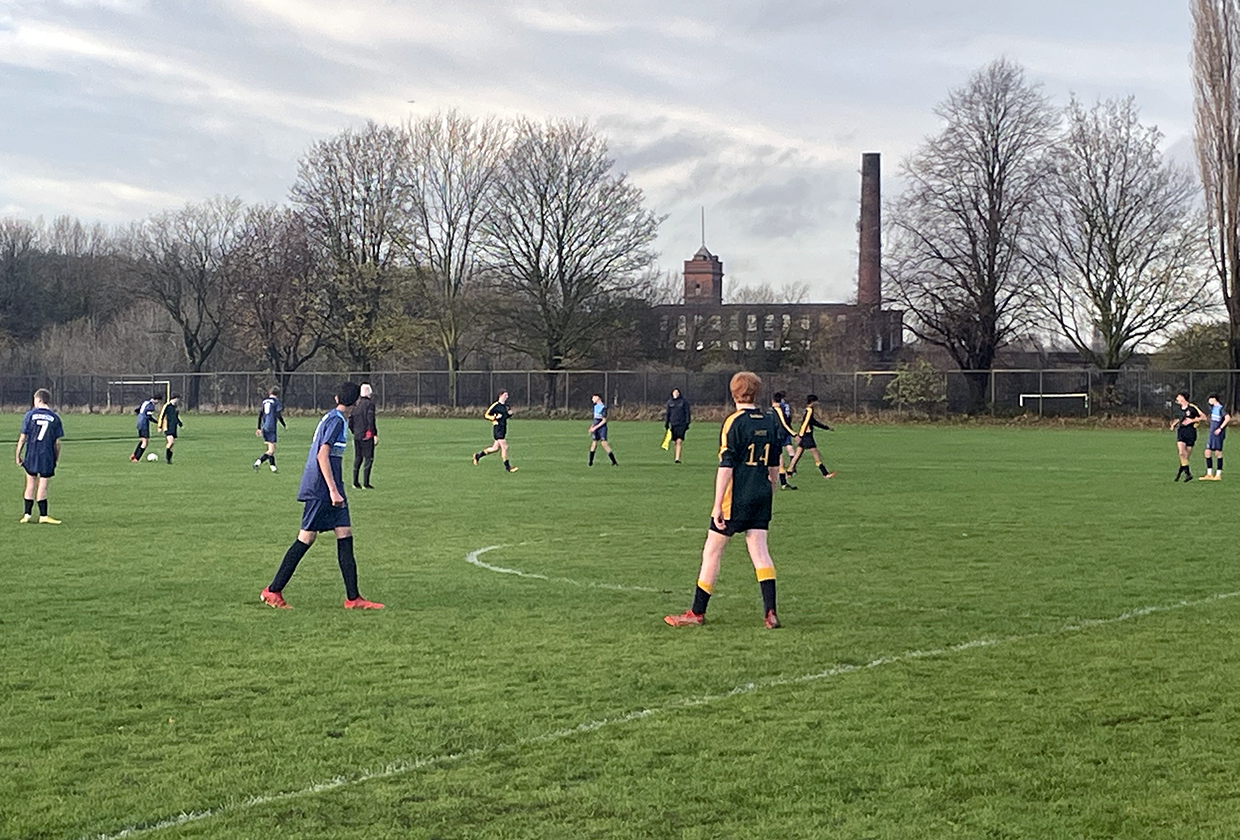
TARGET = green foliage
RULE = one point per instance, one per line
(1196, 347)
(920, 386)
(143, 680)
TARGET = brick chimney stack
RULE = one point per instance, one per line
(870, 269)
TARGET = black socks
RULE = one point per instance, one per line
(822, 468)
(168, 454)
(138, 450)
(700, 599)
(288, 565)
(29, 505)
(768, 594)
(612, 456)
(348, 566)
(591, 461)
(42, 507)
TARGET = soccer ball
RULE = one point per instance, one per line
(152, 457)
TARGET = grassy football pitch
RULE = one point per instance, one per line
(988, 633)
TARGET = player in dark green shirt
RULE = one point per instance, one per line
(498, 414)
(744, 484)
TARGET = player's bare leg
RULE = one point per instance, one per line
(821, 467)
(1186, 453)
(679, 443)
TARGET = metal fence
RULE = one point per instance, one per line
(1068, 393)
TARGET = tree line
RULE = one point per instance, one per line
(1020, 218)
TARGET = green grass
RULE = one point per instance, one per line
(142, 679)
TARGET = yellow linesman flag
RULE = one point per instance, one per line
(667, 439)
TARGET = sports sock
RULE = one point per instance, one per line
(262, 459)
(137, 451)
(766, 582)
(29, 505)
(480, 455)
(1220, 465)
(591, 462)
(348, 566)
(612, 456)
(1209, 466)
(168, 454)
(701, 597)
(288, 565)
(822, 468)
(272, 459)
(783, 477)
(42, 507)
(507, 465)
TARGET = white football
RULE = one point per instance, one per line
(152, 457)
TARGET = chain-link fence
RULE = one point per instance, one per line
(1067, 393)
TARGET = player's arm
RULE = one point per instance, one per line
(805, 423)
(820, 425)
(1226, 420)
(783, 421)
(21, 441)
(490, 414)
(723, 478)
(280, 418)
(56, 451)
(324, 459)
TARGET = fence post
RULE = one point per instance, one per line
(1138, 391)
(314, 390)
(247, 392)
(418, 398)
(645, 387)
(529, 383)
(1190, 383)
(606, 388)
(1089, 389)
(1041, 391)
(566, 390)
(856, 385)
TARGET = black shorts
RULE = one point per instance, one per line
(171, 435)
(733, 527)
(1186, 435)
(269, 437)
(678, 432)
(40, 473)
(499, 432)
(321, 515)
(808, 442)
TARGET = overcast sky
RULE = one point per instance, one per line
(758, 111)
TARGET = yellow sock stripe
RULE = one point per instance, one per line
(765, 573)
(705, 587)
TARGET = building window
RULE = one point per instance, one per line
(700, 345)
(697, 323)
(839, 319)
(697, 289)
(715, 345)
(769, 344)
(805, 323)
(734, 344)
(751, 344)
(680, 327)
(716, 323)
(805, 343)
(768, 323)
(680, 345)
(787, 322)
(751, 323)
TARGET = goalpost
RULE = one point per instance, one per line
(1040, 397)
(132, 392)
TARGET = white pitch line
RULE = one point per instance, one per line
(403, 767)
(472, 558)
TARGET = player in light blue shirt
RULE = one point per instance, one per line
(40, 437)
(1219, 420)
(269, 414)
(326, 508)
(598, 429)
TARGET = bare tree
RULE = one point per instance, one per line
(284, 312)
(1118, 241)
(19, 315)
(568, 241)
(1216, 81)
(183, 261)
(790, 292)
(453, 163)
(351, 191)
(959, 233)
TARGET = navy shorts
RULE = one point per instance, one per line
(269, 437)
(600, 433)
(320, 515)
(144, 430)
(733, 527)
(678, 432)
(40, 470)
(1215, 441)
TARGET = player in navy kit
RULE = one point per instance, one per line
(783, 414)
(270, 413)
(1219, 421)
(598, 430)
(498, 414)
(744, 486)
(146, 416)
(40, 438)
(326, 508)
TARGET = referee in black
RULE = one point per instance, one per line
(676, 419)
(365, 436)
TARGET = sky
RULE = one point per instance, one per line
(756, 112)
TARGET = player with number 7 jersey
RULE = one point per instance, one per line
(40, 439)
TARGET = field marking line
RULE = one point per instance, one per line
(400, 768)
(473, 559)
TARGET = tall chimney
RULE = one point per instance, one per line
(870, 269)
